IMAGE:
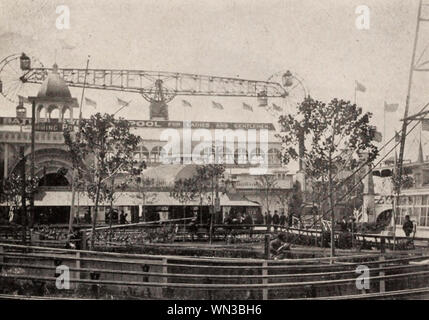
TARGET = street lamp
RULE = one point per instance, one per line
(21, 112)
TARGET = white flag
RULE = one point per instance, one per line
(186, 103)
(90, 102)
(392, 107)
(217, 105)
(247, 107)
(277, 108)
(360, 87)
(123, 103)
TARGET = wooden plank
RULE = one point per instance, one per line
(264, 280)
(382, 273)
(164, 279)
(78, 262)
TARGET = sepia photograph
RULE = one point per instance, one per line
(214, 155)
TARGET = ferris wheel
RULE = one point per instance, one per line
(296, 93)
(13, 71)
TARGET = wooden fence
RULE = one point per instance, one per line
(30, 270)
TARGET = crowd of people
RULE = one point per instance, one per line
(278, 219)
(246, 218)
(348, 225)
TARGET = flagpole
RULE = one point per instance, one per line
(355, 92)
(421, 129)
(407, 105)
(384, 126)
(125, 105)
(75, 170)
(395, 196)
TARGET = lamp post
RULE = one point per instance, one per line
(21, 113)
(33, 129)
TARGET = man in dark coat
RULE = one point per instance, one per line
(122, 218)
(282, 219)
(408, 226)
(276, 219)
(290, 220)
(267, 218)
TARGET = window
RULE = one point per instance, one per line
(418, 200)
(417, 179)
(402, 214)
(423, 217)
(144, 154)
(415, 214)
(426, 224)
(228, 156)
(256, 156)
(274, 156)
(240, 156)
(403, 200)
(155, 154)
(425, 178)
(207, 155)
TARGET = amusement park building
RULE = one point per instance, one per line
(413, 199)
(55, 107)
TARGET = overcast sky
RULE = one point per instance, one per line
(318, 40)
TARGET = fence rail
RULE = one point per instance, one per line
(160, 277)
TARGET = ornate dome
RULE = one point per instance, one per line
(54, 86)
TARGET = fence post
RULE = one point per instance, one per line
(164, 279)
(382, 273)
(83, 240)
(1, 256)
(267, 246)
(77, 267)
(264, 280)
(382, 245)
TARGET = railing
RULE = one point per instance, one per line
(105, 274)
(156, 232)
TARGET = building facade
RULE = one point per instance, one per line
(248, 150)
(413, 199)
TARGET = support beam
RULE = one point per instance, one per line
(6, 160)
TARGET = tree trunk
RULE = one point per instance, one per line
(111, 210)
(184, 221)
(201, 207)
(211, 214)
(94, 216)
(331, 207)
(268, 200)
(144, 210)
